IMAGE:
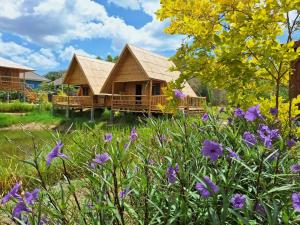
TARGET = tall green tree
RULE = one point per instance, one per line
(234, 44)
(53, 75)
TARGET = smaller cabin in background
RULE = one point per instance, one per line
(12, 76)
(33, 80)
(88, 75)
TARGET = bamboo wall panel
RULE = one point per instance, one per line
(10, 80)
(76, 77)
(129, 70)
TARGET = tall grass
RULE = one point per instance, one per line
(19, 107)
(152, 179)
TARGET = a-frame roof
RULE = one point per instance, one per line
(155, 67)
(95, 71)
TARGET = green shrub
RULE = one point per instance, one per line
(19, 107)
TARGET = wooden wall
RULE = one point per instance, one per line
(129, 70)
(75, 75)
(10, 80)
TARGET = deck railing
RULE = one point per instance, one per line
(133, 103)
(78, 101)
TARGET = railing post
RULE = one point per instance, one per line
(150, 98)
(92, 110)
(188, 104)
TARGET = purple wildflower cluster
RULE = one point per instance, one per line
(171, 173)
(108, 137)
(253, 113)
(55, 153)
(232, 154)
(273, 111)
(238, 201)
(101, 158)
(179, 94)
(239, 113)
(133, 135)
(124, 193)
(207, 187)
(205, 117)
(267, 135)
(295, 168)
(212, 149)
(296, 201)
(249, 138)
(23, 203)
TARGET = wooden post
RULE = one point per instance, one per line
(8, 96)
(112, 103)
(68, 106)
(188, 104)
(92, 111)
(24, 83)
(150, 98)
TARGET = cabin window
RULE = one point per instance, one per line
(85, 91)
(156, 89)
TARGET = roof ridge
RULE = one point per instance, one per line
(94, 59)
(150, 52)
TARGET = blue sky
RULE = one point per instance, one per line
(44, 34)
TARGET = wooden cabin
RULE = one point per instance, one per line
(12, 76)
(88, 75)
(294, 85)
(134, 84)
(137, 80)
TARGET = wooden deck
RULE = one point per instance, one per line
(79, 101)
(128, 103)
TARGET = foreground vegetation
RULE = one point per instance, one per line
(179, 171)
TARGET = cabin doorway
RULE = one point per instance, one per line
(138, 93)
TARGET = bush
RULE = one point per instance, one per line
(178, 171)
(19, 107)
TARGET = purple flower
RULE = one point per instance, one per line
(31, 197)
(126, 145)
(295, 168)
(273, 111)
(55, 152)
(108, 137)
(238, 112)
(229, 121)
(296, 201)
(171, 173)
(267, 135)
(222, 110)
(101, 158)
(290, 143)
(12, 194)
(178, 94)
(202, 189)
(232, 154)
(124, 193)
(133, 135)
(162, 138)
(212, 150)
(20, 207)
(207, 186)
(249, 139)
(205, 117)
(259, 208)
(238, 201)
(253, 113)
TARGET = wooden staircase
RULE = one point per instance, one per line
(30, 95)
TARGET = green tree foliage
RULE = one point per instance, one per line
(233, 45)
(53, 75)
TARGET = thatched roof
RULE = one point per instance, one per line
(95, 71)
(33, 76)
(12, 65)
(155, 66)
(58, 81)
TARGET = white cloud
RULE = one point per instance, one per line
(43, 58)
(11, 9)
(67, 53)
(54, 23)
